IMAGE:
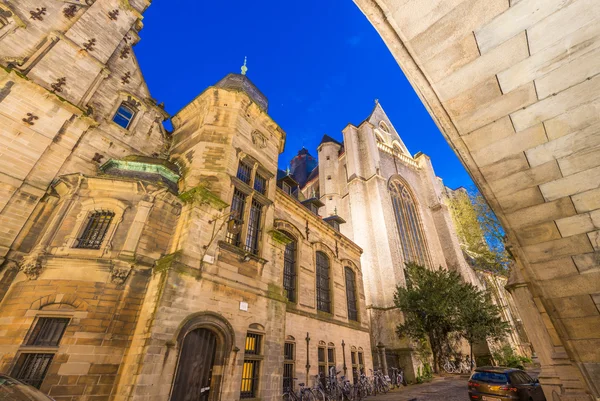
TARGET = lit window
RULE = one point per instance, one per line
(323, 290)
(124, 115)
(251, 367)
(351, 294)
(95, 230)
(412, 238)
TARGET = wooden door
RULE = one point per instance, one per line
(194, 370)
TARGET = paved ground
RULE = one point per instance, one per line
(440, 389)
(450, 388)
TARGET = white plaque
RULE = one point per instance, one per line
(244, 306)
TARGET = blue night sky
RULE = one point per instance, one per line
(320, 63)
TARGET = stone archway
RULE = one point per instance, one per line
(204, 344)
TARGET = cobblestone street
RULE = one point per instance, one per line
(440, 389)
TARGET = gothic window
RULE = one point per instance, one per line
(31, 367)
(251, 367)
(351, 294)
(412, 238)
(383, 126)
(289, 269)
(124, 115)
(95, 230)
(289, 357)
(378, 138)
(323, 288)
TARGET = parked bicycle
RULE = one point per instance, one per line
(303, 394)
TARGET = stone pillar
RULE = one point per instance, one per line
(382, 359)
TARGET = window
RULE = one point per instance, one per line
(354, 362)
(31, 368)
(361, 361)
(251, 367)
(260, 184)
(124, 115)
(326, 358)
(289, 270)
(244, 173)
(286, 188)
(412, 239)
(334, 224)
(351, 294)
(313, 208)
(95, 230)
(288, 365)
(253, 236)
(383, 126)
(48, 332)
(244, 229)
(323, 290)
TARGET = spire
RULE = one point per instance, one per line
(244, 68)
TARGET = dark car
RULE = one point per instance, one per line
(14, 390)
(493, 383)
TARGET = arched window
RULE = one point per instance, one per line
(323, 291)
(379, 138)
(383, 126)
(289, 269)
(351, 294)
(414, 245)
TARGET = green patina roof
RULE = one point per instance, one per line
(145, 165)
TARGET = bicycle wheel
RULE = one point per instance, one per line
(308, 395)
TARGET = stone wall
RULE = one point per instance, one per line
(513, 86)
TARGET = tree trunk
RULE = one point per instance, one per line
(471, 351)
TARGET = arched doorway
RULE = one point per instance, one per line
(195, 366)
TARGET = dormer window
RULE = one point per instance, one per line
(286, 188)
(124, 115)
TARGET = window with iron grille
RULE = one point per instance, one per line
(355, 370)
(289, 270)
(251, 367)
(124, 115)
(238, 203)
(253, 235)
(323, 290)
(260, 184)
(95, 230)
(351, 294)
(288, 366)
(331, 356)
(361, 362)
(32, 368)
(244, 172)
(322, 361)
(48, 332)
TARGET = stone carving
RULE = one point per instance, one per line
(114, 15)
(259, 139)
(58, 85)
(38, 14)
(31, 266)
(126, 78)
(125, 53)
(119, 274)
(89, 45)
(29, 120)
(70, 11)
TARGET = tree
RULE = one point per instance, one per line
(480, 232)
(479, 318)
(430, 305)
(436, 303)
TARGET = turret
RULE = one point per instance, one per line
(329, 175)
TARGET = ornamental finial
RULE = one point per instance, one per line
(244, 68)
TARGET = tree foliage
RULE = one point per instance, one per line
(480, 232)
(436, 303)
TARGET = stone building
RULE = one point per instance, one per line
(392, 204)
(141, 265)
(514, 86)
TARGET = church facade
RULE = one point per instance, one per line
(137, 264)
